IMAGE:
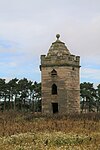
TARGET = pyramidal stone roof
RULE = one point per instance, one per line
(58, 48)
(59, 55)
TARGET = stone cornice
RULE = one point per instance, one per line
(51, 65)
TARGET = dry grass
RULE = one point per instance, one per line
(30, 132)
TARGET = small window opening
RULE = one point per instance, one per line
(53, 72)
(73, 68)
(69, 58)
(55, 108)
(54, 89)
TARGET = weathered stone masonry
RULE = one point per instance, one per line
(60, 80)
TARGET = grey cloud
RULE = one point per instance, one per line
(29, 27)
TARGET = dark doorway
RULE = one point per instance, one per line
(55, 108)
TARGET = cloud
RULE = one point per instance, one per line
(8, 45)
(6, 64)
(28, 28)
(90, 75)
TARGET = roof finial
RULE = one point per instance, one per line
(58, 36)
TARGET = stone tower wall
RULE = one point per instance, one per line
(67, 80)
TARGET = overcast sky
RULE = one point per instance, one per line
(28, 28)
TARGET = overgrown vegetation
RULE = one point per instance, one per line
(22, 131)
(22, 127)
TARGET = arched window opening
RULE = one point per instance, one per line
(54, 89)
(53, 72)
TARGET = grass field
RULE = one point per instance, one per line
(31, 132)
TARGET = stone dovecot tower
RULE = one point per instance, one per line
(60, 80)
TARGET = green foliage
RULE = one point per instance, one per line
(21, 95)
(89, 97)
(25, 95)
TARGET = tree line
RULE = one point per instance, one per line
(89, 97)
(20, 95)
(25, 95)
